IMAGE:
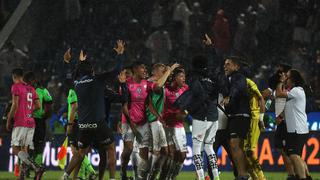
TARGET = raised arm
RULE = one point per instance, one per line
(160, 83)
(119, 49)
(280, 91)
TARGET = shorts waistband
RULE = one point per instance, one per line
(240, 115)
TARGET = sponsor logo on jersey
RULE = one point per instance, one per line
(88, 126)
(83, 81)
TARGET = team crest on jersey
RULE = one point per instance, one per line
(139, 90)
(145, 86)
(177, 94)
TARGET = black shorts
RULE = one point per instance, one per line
(73, 137)
(280, 135)
(39, 134)
(99, 137)
(295, 143)
(238, 126)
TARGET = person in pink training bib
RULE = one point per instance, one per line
(24, 102)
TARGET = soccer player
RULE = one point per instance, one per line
(174, 126)
(93, 130)
(134, 110)
(39, 115)
(203, 109)
(154, 117)
(24, 102)
(257, 107)
(237, 106)
(73, 137)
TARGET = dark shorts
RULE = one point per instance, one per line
(295, 143)
(280, 135)
(238, 127)
(73, 137)
(39, 134)
(99, 137)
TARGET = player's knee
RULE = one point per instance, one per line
(208, 148)
(196, 146)
(164, 151)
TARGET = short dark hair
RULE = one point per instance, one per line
(18, 72)
(29, 77)
(83, 68)
(285, 67)
(136, 64)
(296, 78)
(177, 71)
(236, 60)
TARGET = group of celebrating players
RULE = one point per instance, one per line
(225, 109)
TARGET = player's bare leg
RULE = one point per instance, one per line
(112, 161)
(76, 159)
(238, 156)
(125, 158)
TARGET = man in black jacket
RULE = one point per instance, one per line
(238, 109)
(200, 101)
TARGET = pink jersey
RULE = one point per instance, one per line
(170, 112)
(138, 93)
(27, 96)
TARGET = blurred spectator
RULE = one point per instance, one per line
(198, 26)
(160, 45)
(73, 9)
(221, 33)
(182, 13)
(157, 16)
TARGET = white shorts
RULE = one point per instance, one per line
(126, 132)
(158, 136)
(204, 131)
(22, 136)
(177, 137)
(144, 130)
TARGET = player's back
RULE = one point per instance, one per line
(27, 95)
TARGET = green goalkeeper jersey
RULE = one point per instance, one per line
(158, 104)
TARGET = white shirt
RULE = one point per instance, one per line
(295, 111)
(222, 118)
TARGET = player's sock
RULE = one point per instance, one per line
(164, 168)
(257, 168)
(135, 159)
(142, 168)
(171, 169)
(24, 157)
(213, 164)
(198, 166)
(176, 169)
(155, 167)
(212, 159)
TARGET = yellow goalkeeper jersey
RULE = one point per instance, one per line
(254, 95)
